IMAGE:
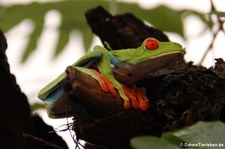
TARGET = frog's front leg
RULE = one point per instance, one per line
(104, 67)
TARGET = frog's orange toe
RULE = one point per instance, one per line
(130, 92)
(144, 105)
(142, 99)
(127, 104)
(137, 98)
(112, 89)
(105, 84)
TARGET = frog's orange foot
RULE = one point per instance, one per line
(138, 99)
(105, 84)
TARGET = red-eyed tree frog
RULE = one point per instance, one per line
(119, 70)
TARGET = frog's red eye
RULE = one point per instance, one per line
(151, 44)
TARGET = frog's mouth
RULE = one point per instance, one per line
(129, 74)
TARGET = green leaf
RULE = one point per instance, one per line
(147, 142)
(73, 18)
(32, 44)
(196, 136)
(172, 19)
(201, 132)
(87, 38)
(64, 34)
(72, 12)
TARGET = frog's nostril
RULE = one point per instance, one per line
(129, 74)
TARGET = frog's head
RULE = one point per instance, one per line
(152, 48)
(151, 56)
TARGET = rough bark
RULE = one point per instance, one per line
(120, 31)
(16, 121)
(14, 111)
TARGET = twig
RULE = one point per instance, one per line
(29, 136)
(220, 22)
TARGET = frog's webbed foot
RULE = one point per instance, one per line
(105, 84)
(137, 98)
